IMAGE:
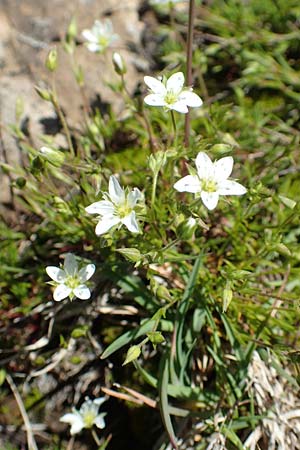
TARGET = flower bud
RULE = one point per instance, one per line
(227, 296)
(55, 157)
(44, 94)
(155, 338)
(133, 353)
(186, 229)
(72, 30)
(51, 60)
(119, 64)
(157, 161)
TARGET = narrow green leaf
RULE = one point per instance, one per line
(163, 400)
(182, 310)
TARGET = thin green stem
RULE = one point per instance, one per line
(62, 118)
(189, 58)
(173, 122)
(154, 185)
(95, 437)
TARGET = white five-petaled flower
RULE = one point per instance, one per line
(211, 180)
(86, 417)
(171, 94)
(69, 281)
(100, 36)
(117, 208)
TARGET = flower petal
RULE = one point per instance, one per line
(116, 193)
(99, 421)
(190, 183)
(205, 166)
(106, 224)
(190, 99)
(131, 223)
(104, 207)
(223, 168)
(154, 100)
(82, 292)
(179, 107)
(94, 47)
(86, 272)
(210, 199)
(230, 187)
(60, 292)
(98, 401)
(75, 420)
(175, 82)
(133, 197)
(56, 274)
(156, 86)
(70, 264)
(89, 36)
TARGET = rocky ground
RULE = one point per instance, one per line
(28, 30)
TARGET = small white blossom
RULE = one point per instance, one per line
(100, 36)
(86, 417)
(69, 281)
(211, 180)
(171, 94)
(116, 209)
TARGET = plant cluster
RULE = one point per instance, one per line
(178, 288)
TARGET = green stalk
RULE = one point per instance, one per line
(154, 184)
(62, 118)
(189, 58)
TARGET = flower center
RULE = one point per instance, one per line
(103, 41)
(72, 282)
(209, 185)
(89, 418)
(123, 210)
(171, 97)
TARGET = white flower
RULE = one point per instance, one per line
(86, 417)
(69, 281)
(171, 94)
(211, 180)
(116, 209)
(100, 36)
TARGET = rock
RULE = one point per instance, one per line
(28, 30)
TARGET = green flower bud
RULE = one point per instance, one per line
(44, 94)
(55, 157)
(51, 60)
(186, 229)
(132, 254)
(132, 354)
(155, 338)
(72, 30)
(157, 161)
(227, 296)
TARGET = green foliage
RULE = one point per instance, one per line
(197, 294)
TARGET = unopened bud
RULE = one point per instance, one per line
(51, 60)
(132, 354)
(186, 229)
(155, 338)
(119, 64)
(72, 30)
(44, 94)
(55, 157)
(227, 296)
